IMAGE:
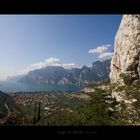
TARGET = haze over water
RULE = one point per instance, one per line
(20, 87)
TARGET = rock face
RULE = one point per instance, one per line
(126, 58)
(99, 71)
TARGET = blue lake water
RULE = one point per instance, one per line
(18, 87)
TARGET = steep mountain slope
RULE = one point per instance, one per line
(99, 71)
(125, 69)
(6, 104)
(126, 57)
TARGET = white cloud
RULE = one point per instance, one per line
(47, 62)
(69, 66)
(52, 61)
(102, 52)
(106, 55)
(100, 49)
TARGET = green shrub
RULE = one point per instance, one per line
(97, 112)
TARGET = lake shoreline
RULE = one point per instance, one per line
(13, 87)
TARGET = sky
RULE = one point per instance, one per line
(29, 42)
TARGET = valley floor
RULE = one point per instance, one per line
(94, 105)
(33, 108)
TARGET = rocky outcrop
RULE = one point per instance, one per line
(126, 58)
(125, 68)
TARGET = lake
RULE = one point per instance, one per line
(6, 86)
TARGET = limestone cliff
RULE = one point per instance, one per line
(126, 58)
(99, 71)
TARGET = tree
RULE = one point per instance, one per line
(34, 118)
(39, 112)
(100, 109)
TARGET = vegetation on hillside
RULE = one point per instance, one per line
(74, 109)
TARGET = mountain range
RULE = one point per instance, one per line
(99, 71)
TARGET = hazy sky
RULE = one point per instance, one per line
(29, 42)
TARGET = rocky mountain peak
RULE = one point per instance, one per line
(76, 76)
(126, 58)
